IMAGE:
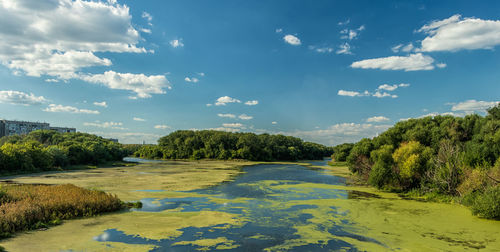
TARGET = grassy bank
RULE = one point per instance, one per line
(27, 207)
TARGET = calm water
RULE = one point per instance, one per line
(266, 210)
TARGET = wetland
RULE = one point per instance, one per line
(251, 206)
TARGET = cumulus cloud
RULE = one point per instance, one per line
(161, 126)
(58, 38)
(106, 125)
(176, 43)
(380, 92)
(392, 87)
(351, 34)
(340, 133)
(130, 137)
(344, 48)
(274, 123)
(456, 33)
(471, 106)
(344, 22)
(101, 104)
(69, 109)
(192, 79)
(377, 119)
(412, 62)
(138, 119)
(148, 17)
(245, 117)
(279, 30)
(232, 125)
(403, 48)
(292, 40)
(222, 101)
(20, 98)
(252, 103)
(352, 93)
(227, 115)
(141, 84)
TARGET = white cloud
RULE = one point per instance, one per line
(147, 16)
(69, 109)
(457, 33)
(292, 40)
(51, 80)
(377, 119)
(408, 48)
(101, 104)
(209, 105)
(245, 117)
(377, 93)
(396, 48)
(325, 49)
(252, 103)
(59, 38)
(232, 125)
(470, 106)
(222, 101)
(412, 62)
(138, 119)
(352, 93)
(201, 74)
(351, 34)
(223, 129)
(274, 123)
(340, 133)
(345, 22)
(162, 127)
(392, 87)
(344, 49)
(106, 125)
(226, 115)
(441, 65)
(192, 79)
(148, 31)
(141, 84)
(20, 98)
(130, 137)
(176, 43)
(279, 30)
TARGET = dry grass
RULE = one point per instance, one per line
(24, 207)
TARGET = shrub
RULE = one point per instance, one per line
(487, 204)
(412, 159)
(382, 173)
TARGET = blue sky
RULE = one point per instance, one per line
(325, 71)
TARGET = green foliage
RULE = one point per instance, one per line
(44, 150)
(187, 144)
(382, 173)
(412, 160)
(486, 204)
(340, 152)
(444, 156)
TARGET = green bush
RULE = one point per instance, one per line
(487, 204)
(382, 173)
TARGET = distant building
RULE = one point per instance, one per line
(9, 128)
(63, 129)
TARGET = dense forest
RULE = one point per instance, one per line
(46, 149)
(441, 157)
(210, 144)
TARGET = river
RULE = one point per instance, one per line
(289, 207)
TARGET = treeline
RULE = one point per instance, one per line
(441, 156)
(210, 144)
(46, 149)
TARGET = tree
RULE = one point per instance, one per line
(412, 160)
(382, 171)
